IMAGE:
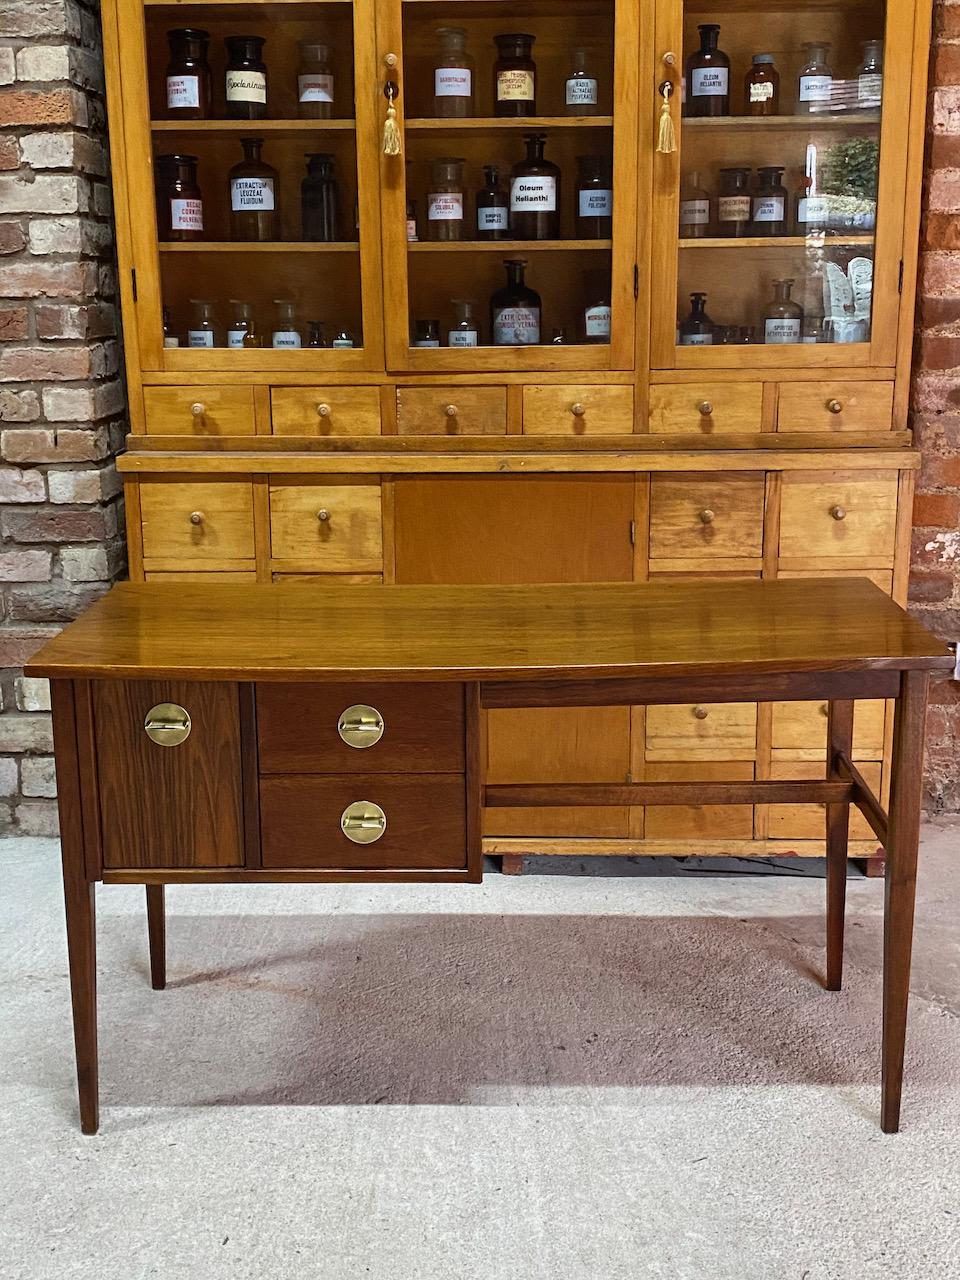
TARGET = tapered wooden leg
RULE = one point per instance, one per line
(839, 740)
(903, 837)
(157, 935)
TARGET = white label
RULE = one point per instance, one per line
(696, 340)
(514, 86)
(452, 82)
(170, 341)
(341, 342)
(315, 87)
(870, 89)
(596, 322)
(733, 209)
(427, 342)
(199, 338)
(710, 82)
(235, 337)
(184, 91)
(251, 193)
(815, 88)
(246, 86)
(286, 338)
(595, 203)
(186, 215)
(783, 329)
(516, 326)
(761, 92)
(695, 213)
(768, 209)
(535, 194)
(412, 229)
(813, 209)
(463, 338)
(493, 218)
(445, 206)
(581, 91)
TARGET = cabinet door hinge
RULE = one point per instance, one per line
(636, 282)
(900, 278)
(633, 533)
(133, 282)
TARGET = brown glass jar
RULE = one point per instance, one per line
(708, 76)
(761, 88)
(314, 81)
(535, 194)
(445, 200)
(514, 77)
(594, 198)
(246, 79)
(734, 206)
(770, 203)
(180, 204)
(253, 196)
(188, 83)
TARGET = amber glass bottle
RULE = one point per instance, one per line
(594, 198)
(246, 79)
(314, 82)
(188, 74)
(770, 203)
(253, 196)
(515, 309)
(452, 76)
(761, 88)
(493, 207)
(514, 76)
(320, 200)
(708, 76)
(535, 194)
(697, 329)
(180, 209)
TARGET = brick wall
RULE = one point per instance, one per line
(61, 394)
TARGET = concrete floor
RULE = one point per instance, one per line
(539, 1077)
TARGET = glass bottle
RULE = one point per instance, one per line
(170, 339)
(493, 211)
(514, 76)
(342, 338)
(320, 200)
(246, 80)
(596, 319)
(535, 194)
(515, 309)
(811, 207)
(697, 329)
(770, 203)
(453, 76)
(445, 200)
(747, 334)
(464, 332)
(426, 333)
(870, 76)
(558, 337)
(581, 91)
(181, 209)
(412, 235)
(694, 208)
(708, 76)
(761, 90)
(202, 331)
(253, 196)
(594, 198)
(286, 330)
(314, 82)
(315, 335)
(734, 205)
(189, 87)
(241, 326)
(815, 86)
(783, 319)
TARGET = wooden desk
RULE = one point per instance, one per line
(246, 733)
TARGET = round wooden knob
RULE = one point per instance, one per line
(705, 407)
(669, 59)
(701, 713)
(324, 410)
(198, 409)
(450, 410)
(707, 517)
(835, 406)
(390, 60)
(323, 515)
(578, 410)
(196, 517)
(838, 513)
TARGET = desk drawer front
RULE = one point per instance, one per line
(800, 729)
(325, 411)
(835, 406)
(706, 409)
(704, 517)
(839, 515)
(715, 731)
(577, 410)
(327, 526)
(451, 411)
(205, 524)
(200, 411)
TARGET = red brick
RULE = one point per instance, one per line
(53, 107)
(35, 364)
(73, 280)
(14, 324)
(939, 351)
(936, 511)
(943, 189)
(934, 312)
(944, 151)
(934, 394)
(51, 602)
(50, 525)
(19, 644)
(74, 322)
(12, 238)
(940, 473)
(930, 588)
(946, 21)
(940, 273)
(945, 693)
(946, 65)
(941, 231)
(9, 153)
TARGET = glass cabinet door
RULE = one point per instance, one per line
(509, 213)
(253, 183)
(779, 215)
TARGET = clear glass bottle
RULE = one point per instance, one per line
(783, 318)
(870, 76)
(596, 319)
(170, 339)
(412, 234)
(253, 196)
(769, 214)
(426, 333)
(316, 337)
(708, 76)
(535, 194)
(734, 204)
(241, 326)
(180, 207)
(514, 76)
(465, 332)
(286, 329)
(815, 87)
(314, 82)
(581, 91)
(493, 207)
(761, 89)
(188, 84)
(445, 200)
(320, 199)
(558, 337)
(452, 76)
(694, 208)
(697, 329)
(515, 310)
(747, 335)
(342, 339)
(594, 198)
(811, 207)
(246, 78)
(203, 327)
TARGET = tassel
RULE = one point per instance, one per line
(668, 136)
(391, 131)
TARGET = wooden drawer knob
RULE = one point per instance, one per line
(835, 406)
(450, 410)
(197, 517)
(198, 409)
(324, 410)
(838, 513)
(701, 713)
(707, 516)
(705, 408)
(578, 410)
(363, 822)
(323, 515)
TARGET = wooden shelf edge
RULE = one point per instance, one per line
(777, 242)
(259, 246)
(507, 246)
(427, 124)
(249, 127)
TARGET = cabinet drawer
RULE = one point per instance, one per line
(425, 827)
(800, 729)
(565, 410)
(712, 731)
(421, 728)
(839, 514)
(704, 408)
(835, 406)
(701, 821)
(200, 411)
(808, 821)
(451, 411)
(325, 411)
(194, 524)
(331, 526)
(697, 517)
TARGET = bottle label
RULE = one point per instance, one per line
(813, 209)
(412, 229)
(581, 91)
(170, 341)
(768, 209)
(427, 342)
(516, 326)
(339, 343)
(186, 215)
(315, 87)
(246, 86)
(184, 91)
(492, 217)
(734, 209)
(445, 206)
(815, 88)
(199, 338)
(286, 338)
(595, 203)
(870, 89)
(696, 340)
(235, 337)
(782, 329)
(251, 193)
(710, 82)
(514, 86)
(452, 82)
(762, 91)
(463, 338)
(534, 194)
(695, 213)
(596, 322)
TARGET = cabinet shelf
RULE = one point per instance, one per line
(778, 242)
(782, 124)
(505, 246)
(524, 124)
(259, 246)
(248, 127)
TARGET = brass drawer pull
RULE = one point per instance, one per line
(707, 517)
(323, 515)
(363, 822)
(450, 410)
(197, 517)
(705, 408)
(838, 513)
(578, 410)
(360, 725)
(167, 724)
(835, 406)
(701, 713)
(324, 410)
(198, 409)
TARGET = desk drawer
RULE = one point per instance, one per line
(577, 410)
(325, 411)
(199, 411)
(451, 411)
(714, 731)
(835, 406)
(327, 526)
(706, 517)
(196, 524)
(422, 728)
(705, 408)
(839, 514)
(425, 822)
(809, 821)
(800, 729)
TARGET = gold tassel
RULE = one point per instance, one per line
(391, 132)
(668, 135)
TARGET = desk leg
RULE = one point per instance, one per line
(839, 739)
(157, 936)
(903, 837)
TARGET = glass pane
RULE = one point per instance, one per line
(779, 168)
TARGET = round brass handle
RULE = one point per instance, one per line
(323, 515)
(707, 517)
(578, 410)
(701, 713)
(838, 513)
(196, 517)
(705, 407)
(450, 410)
(324, 410)
(835, 406)
(360, 725)
(363, 822)
(390, 60)
(669, 59)
(198, 409)
(167, 724)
